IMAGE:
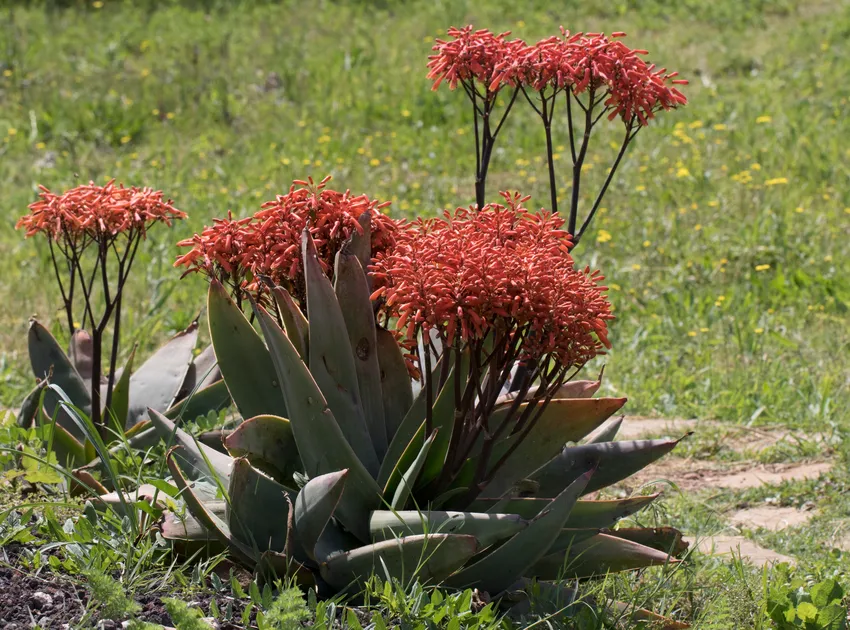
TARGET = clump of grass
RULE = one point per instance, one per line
(108, 593)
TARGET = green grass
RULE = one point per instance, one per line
(723, 238)
(222, 109)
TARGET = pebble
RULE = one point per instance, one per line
(41, 600)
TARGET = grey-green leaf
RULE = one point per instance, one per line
(314, 507)
(49, 360)
(258, 510)
(243, 359)
(321, 443)
(193, 456)
(331, 360)
(486, 528)
(352, 292)
(269, 444)
(158, 380)
(498, 570)
(430, 559)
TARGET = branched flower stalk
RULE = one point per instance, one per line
(93, 233)
(599, 76)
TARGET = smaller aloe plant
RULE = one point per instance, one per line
(93, 234)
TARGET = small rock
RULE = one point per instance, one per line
(41, 600)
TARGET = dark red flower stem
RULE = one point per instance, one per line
(631, 132)
(578, 162)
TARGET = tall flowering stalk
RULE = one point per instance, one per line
(94, 233)
(599, 76)
(492, 286)
(243, 254)
(473, 59)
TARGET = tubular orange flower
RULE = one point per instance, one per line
(501, 269)
(97, 211)
(268, 243)
(472, 54)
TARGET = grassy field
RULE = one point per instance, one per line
(724, 237)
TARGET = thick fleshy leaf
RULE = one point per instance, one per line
(404, 462)
(615, 460)
(396, 390)
(562, 421)
(352, 292)
(409, 477)
(314, 507)
(81, 353)
(243, 359)
(430, 559)
(187, 536)
(321, 443)
(331, 360)
(268, 443)
(205, 516)
(360, 243)
(598, 555)
(193, 456)
(604, 513)
(258, 510)
(498, 570)
(572, 389)
(121, 394)
(666, 539)
(296, 325)
(30, 406)
(70, 452)
(410, 426)
(606, 433)
(49, 360)
(157, 382)
(569, 537)
(487, 528)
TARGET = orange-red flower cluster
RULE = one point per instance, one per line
(97, 211)
(633, 89)
(269, 242)
(471, 54)
(502, 268)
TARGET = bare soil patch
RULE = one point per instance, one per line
(770, 517)
(738, 546)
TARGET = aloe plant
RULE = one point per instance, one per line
(172, 380)
(333, 473)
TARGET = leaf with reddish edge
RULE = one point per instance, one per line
(269, 444)
(30, 406)
(243, 359)
(616, 461)
(571, 389)
(157, 382)
(296, 325)
(314, 507)
(430, 559)
(564, 420)
(598, 555)
(666, 539)
(501, 568)
(331, 360)
(320, 441)
(81, 353)
(352, 292)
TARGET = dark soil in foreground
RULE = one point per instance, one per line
(53, 600)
